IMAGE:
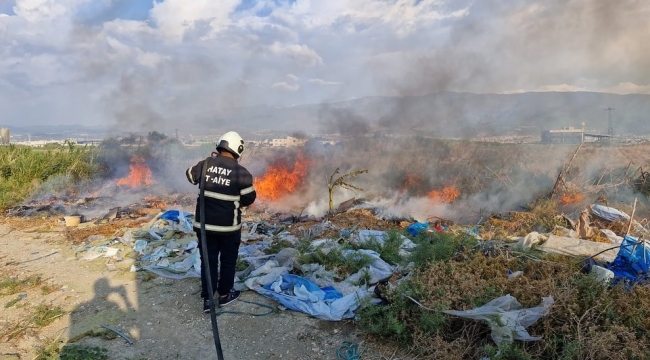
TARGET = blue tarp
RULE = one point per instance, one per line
(299, 294)
(632, 262)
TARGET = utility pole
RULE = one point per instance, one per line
(610, 126)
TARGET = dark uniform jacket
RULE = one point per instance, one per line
(228, 187)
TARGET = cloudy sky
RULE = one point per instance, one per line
(120, 61)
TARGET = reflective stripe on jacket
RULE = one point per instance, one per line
(228, 187)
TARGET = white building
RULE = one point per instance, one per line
(289, 141)
(5, 136)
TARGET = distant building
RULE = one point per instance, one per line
(5, 136)
(566, 135)
(289, 141)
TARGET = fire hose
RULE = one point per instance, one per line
(206, 264)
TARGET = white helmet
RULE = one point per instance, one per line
(231, 142)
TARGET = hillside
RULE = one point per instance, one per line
(455, 114)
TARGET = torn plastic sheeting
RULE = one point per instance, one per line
(608, 213)
(159, 253)
(251, 250)
(378, 269)
(318, 274)
(263, 275)
(578, 247)
(333, 309)
(140, 246)
(303, 289)
(179, 216)
(611, 236)
(506, 317)
(632, 261)
(100, 251)
(190, 267)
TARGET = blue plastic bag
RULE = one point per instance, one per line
(416, 228)
(632, 262)
(178, 216)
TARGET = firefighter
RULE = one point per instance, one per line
(228, 188)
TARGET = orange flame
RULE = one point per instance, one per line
(140, 174)
(444, 196)
(281, 180)
(571, 198)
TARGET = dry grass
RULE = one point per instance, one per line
(543, 217)
(587, 320)
(114, 228)
(29, 223)
(360, 219)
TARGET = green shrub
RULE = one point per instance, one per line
(389, 251)
(438, 246)
(44, 315)
(24, 169)
(83, 352)
(506, 352)
(337, 260)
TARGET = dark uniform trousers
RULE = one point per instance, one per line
(223, 249)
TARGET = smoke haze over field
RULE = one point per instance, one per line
(160, 65)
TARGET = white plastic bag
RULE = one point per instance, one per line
(506, 317)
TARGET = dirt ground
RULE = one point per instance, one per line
(163, 317)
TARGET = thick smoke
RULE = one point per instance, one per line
(342, 121)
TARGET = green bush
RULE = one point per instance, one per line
(83, 352)
(24, 169)
(438, 246)
(389, 251)
(337, 260)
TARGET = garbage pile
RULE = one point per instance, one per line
(167, 246)
(330, 267)
(614, 255)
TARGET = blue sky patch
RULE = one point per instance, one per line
(98, 12)
(7, 7)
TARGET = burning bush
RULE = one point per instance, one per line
(572, 197)
(139, 175)
(445, 196)
(281, 178)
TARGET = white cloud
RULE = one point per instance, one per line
(324, 82)
(194, 52)
(301, 54)
(175, 17)
(43, 10)
(560, 88)
(628, 88)
(286, 86)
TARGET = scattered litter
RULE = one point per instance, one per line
(297, 293)
(513, 275)
(632, 261)
(417, 228)
(99, 251)
(608, 213)
(507, 318)
(578, 247)
(530, 240)
(604, 275)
